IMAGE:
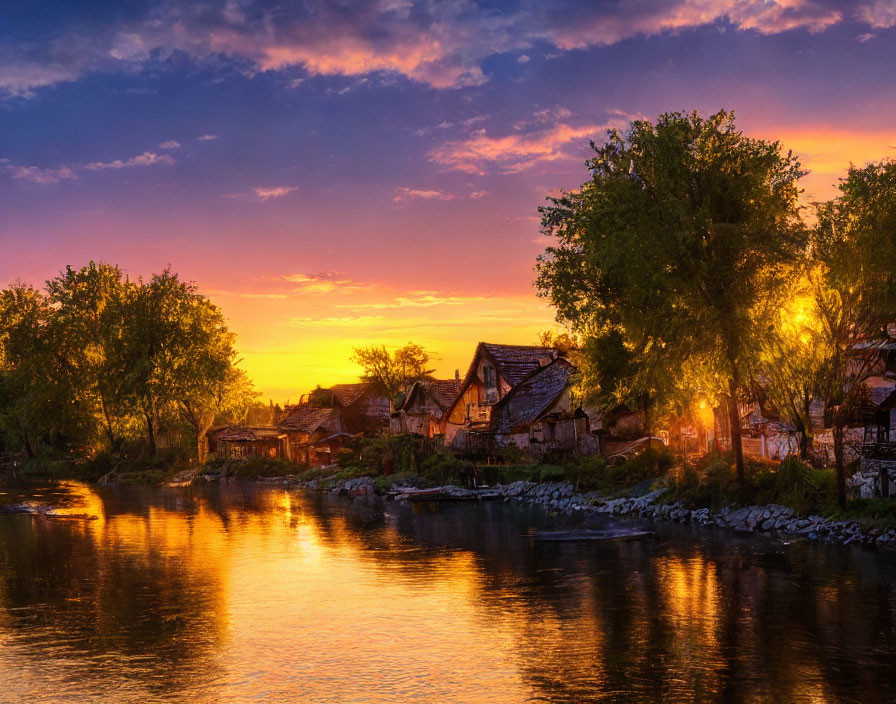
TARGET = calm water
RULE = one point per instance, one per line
(239, 593)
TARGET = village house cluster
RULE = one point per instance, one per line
(524, 397)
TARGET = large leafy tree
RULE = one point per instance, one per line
(89, 312)
(38, 394)
(393, 372)
(680, 232)
(854, 244)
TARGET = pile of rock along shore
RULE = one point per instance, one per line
(560, 497)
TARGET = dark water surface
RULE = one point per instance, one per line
(239, 592)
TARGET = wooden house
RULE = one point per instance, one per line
(423, 411)
(238, 442)
(362, 406)
(494, 371)
(314, 435)
(537, 415)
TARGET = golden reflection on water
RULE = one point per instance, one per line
(248, 594)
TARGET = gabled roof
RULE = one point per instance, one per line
(240, 433)
(347, 394)
(532, 397)
(879, 389)
(442, 391)
(307, 419)
(514, 362)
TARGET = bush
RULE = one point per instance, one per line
(551, 473)
(443, 467)
(588, 474)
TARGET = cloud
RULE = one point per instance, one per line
(343, 321)
(323, 282)
(170, 144)
(880, 14)
(147, 158)
(417, 299)
(514, 153)
(439, 44)
(523, 59)
(404, 194)
(266, 193)
(207, 137)
(476, 195)
(36, 174)
(21, 79)
(588, 26)
(55, 174)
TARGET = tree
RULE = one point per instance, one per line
(180, 356)
(677, 236)
(38, 401)
(393, 372)
(88, 308)
(789, 353)
(854, 290)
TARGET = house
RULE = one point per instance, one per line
(238, 441)
(423, 411)
(536, 414)
(314, 435)
(494, 371)
(363, 407)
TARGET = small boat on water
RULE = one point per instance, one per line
(567, 536)
(450, 494)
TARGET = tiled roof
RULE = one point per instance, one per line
(347, 394)
(526, 402)
(879, 389)
(442, 391)
(239, 433)
(515, 362)
(307, 419)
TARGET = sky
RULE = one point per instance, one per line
(335, 174)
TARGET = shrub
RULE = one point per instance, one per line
(443, 467)
(588, 474)
(551, 473)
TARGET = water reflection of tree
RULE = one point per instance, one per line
(677, 620)
(114, 606)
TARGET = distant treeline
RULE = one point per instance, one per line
(96, 362)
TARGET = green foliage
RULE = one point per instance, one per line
(662, 256)
(443, 467)
(393, 372)
(710, 482)
(98, 361)
(551, 473)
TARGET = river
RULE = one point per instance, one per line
(242, 592)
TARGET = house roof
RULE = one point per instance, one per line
(879, 389)
(347, 394)
(442, 391)
(307, 419)
(532, 397)
(241, 433)
(514, 362)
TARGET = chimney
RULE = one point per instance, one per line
(545, 360)
(457, 376)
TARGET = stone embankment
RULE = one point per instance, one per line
(561, 497)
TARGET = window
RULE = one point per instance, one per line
(490, 378)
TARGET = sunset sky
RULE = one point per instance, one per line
(369, 172)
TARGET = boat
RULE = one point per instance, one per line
(567, 536)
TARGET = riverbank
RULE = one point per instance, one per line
(561, 497)
(867, 522)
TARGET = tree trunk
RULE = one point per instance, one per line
(28, 449)
(150, 434)
(109, 432)
(734, 430)
(837, 434)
